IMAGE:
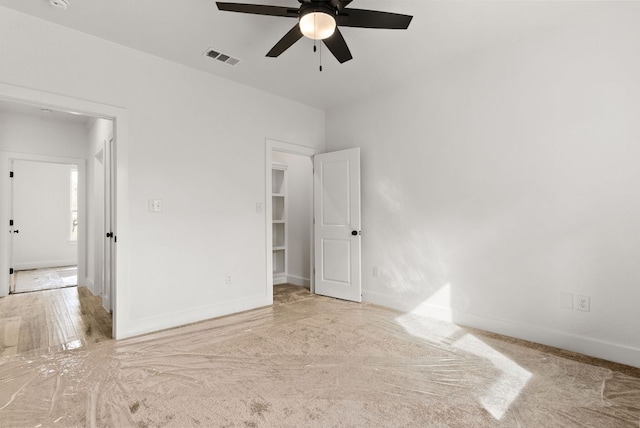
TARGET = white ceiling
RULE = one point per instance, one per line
(182, 30)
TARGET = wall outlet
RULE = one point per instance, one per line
(582, 303)
(376, 272)
(227, 279)
(155, 205)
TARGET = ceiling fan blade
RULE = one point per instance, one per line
(286, 42)
(338, 47)
(258, 9)
(373, 19)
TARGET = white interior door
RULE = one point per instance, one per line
(12, 231)
(109, 225)
(337, 224)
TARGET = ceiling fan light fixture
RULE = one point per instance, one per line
(317, 25)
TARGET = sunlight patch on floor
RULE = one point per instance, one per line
(500, 394)
(506, 389)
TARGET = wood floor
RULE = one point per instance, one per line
(60, 319)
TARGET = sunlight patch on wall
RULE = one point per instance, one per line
(438, 305)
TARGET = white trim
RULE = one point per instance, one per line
(121, 137)
(296, 280)
(280, 278)
(270, 147)
(171, 320)
(585, 345)
(89, 284)
(45, 264)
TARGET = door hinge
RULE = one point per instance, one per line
(10, 271)
(10, 222)
(110, 235)
(10, 174)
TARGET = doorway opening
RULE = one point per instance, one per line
(292, 220)
(44, 219)
(289, 209)
(117, 120)
(57, 208)
(333, 219)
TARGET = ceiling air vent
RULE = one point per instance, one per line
(211, 53)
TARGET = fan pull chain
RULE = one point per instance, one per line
(320, 56)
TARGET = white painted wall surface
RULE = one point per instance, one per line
(21, 133)
(196, 142)
(506, 177)
(42, 200)
(299, 196)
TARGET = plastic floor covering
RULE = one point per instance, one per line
(310, 361)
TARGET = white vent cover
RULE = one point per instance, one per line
(214, 54)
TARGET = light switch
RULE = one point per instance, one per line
(259, 208)
(155, 205)
(566, 300)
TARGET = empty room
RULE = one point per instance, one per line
(320, 213)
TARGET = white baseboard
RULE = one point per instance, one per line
(136, 327)
(279, 279)
(558, 339)
(44, 264)
(106, 304)
(296, 280)
(89, 284)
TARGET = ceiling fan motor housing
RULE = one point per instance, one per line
(317, 20)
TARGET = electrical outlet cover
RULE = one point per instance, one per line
(582, 303)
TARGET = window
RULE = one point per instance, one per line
(73, 236)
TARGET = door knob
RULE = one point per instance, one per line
(355, 233)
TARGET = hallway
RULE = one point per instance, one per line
(51, 320)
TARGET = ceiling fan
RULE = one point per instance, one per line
(320, 19)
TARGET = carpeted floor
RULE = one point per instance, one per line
(311, 361)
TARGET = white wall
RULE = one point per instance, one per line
(500, 180)
(197, 142)
(21, 133)
(41, 203)
(299, 196)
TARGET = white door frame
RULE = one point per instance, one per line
(279, 146)
(81, 249)
(120, 119)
